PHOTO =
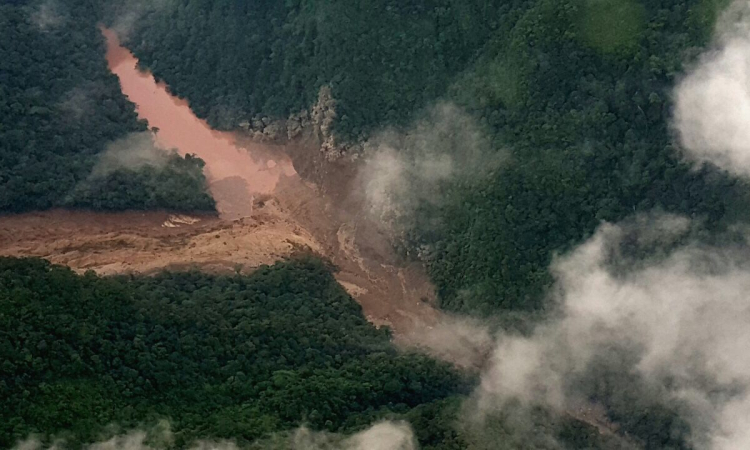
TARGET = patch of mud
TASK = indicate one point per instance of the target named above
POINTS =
(391, 292)
(114, 243)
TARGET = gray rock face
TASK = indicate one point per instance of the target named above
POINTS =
(320, 120)
(323, 115)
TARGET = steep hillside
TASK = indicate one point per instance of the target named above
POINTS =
(382, 59)
(220, 357)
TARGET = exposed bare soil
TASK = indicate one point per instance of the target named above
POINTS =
(112, 243)
(294, 219)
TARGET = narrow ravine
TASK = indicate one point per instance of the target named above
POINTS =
(266, 213)
(236, 175)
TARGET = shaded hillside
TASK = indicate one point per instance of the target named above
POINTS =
(59, 109)
(383, 59)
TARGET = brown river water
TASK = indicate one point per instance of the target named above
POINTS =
(236, 174)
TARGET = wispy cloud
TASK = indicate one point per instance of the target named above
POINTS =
(684, 319)
(405, 169)
(712, 109)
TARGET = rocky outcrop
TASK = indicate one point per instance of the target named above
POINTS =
(318, 122)
(265, 129)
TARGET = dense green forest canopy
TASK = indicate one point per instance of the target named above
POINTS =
(243, 357)
(383, 59)
(59, 109)
(578, 91)
(219, 356)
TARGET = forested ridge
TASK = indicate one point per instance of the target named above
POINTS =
(233, 357)
(587, 125)
(59, 109)
(243, 358)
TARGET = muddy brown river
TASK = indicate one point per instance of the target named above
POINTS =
(236, 174)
